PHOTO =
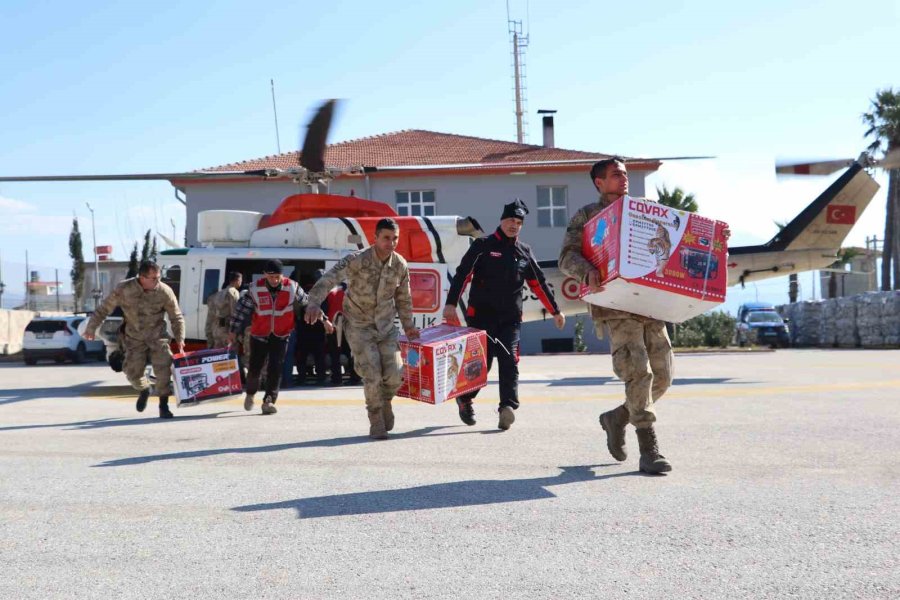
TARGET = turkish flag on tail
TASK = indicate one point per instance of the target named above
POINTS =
(840, 214)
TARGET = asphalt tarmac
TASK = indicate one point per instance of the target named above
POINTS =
(785, 485)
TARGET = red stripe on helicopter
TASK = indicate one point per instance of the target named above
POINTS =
(415, 243)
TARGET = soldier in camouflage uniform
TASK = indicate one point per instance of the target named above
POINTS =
(378, 289)
(641, 351)
(145, 300)
(219, 307)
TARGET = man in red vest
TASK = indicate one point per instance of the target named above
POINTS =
(271, 303)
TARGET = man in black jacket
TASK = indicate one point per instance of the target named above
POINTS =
(499, 265)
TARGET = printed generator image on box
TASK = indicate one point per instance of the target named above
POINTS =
(656, 261)
(206, 375)
(445, 362)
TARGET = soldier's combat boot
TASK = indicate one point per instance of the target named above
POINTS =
(466, 411)
(248, 401)
(377, 430)
(164, 412)
(388, 412)
(142, 400)
(507, 417)
(613, 423)
(651, 460)
(268, 405)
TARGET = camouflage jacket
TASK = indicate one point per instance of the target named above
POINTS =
(144, 311)
(376, 291)
(573, 264)
(219, 307)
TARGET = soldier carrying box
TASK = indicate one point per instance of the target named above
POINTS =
(641, 351)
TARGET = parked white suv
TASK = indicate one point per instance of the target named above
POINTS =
(58, 339)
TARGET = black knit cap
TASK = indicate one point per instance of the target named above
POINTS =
(273, 266)
(515, 209)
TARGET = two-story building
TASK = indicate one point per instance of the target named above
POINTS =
(434, 173)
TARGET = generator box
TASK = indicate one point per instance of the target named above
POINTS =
(656, 261)
(206, 375)
(445, 362)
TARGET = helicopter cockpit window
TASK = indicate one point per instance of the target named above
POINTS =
(171, 276)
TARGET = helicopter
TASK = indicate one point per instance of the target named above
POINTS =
(312, 230)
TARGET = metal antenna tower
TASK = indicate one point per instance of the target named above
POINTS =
(519, 41)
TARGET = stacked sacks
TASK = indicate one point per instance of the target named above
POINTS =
(845, 315)
(869, 311)
(890, 318)
(805, 318)
(828, 324)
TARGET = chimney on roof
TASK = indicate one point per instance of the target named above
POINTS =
(548, 127)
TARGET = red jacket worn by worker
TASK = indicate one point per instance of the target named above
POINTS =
(273, 315)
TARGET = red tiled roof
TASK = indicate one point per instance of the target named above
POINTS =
(417, 147)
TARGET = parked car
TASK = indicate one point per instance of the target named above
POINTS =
(58, 339)
(760, 323)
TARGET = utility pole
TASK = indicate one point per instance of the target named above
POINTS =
(96, 292)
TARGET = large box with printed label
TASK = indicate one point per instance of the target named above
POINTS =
(206, 375)
(445, 362)
(656, 261)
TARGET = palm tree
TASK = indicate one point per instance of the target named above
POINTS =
(677, 199)
(793, 285)
(883, 123)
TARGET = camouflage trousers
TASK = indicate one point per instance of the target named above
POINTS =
(138, 353)
(219, 338)
(642, 358)
(377, 360)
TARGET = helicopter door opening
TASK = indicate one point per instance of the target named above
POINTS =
(301, 271)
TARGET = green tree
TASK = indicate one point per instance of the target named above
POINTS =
(677, 199)
(154, 251)
(133, 263)
(579, 343)
(76, 252)
(145, 251)
(883, 122)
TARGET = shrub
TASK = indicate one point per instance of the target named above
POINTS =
(713, 329)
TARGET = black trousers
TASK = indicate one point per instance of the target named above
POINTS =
(272, 349)
(334, 353)
(508, 334)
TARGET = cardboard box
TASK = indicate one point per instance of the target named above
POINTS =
(206, 375)
(445, 362)
(656, 261)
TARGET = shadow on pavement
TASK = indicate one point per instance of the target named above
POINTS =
(440, 495)
(117, 422)
(24, 394)
(576, 381)
(327, 443)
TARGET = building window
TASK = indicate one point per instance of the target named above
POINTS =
(551, 205)
(417, 203)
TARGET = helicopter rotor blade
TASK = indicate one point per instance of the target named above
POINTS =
(312, 156)
(821, 167)
(263, 173)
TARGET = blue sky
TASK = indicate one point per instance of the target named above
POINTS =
(109, 88)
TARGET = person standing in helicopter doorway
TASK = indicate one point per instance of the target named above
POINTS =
(499, 265)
